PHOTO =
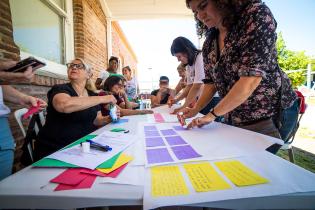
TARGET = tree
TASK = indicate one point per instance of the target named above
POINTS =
(291, 60)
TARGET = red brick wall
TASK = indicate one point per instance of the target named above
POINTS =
(120, 48)
(90, 33)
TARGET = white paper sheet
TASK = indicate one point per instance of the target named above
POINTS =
(131, 175)
(117, 141)
(284, 178)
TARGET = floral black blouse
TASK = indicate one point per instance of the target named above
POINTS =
(250, 50)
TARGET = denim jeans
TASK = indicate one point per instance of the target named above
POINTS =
(289, 120)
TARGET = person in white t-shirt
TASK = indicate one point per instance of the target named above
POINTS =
(188, 55)
(8, 93)
(132, 86)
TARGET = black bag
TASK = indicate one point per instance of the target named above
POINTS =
(27, 156)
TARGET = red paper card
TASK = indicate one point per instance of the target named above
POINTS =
(85, 184)
(70, 177)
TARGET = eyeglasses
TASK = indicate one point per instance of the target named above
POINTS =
(201, 7)
(75, 65)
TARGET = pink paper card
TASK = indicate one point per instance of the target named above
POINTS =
(85, 184)
(158, 117)
(70, 177)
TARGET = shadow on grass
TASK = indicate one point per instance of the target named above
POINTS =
(302, 158)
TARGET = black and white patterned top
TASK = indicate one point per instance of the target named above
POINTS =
(250, 50)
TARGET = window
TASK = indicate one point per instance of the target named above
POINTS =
(44, 29)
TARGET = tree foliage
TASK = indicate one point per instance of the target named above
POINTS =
(291, 60)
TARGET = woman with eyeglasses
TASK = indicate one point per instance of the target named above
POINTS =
(240, 60)
(114, 85)
(73, 111)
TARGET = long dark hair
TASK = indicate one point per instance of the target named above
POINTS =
(110, 82)
(229, 9)
(184, 45)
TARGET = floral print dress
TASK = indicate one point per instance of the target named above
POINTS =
(249, 50)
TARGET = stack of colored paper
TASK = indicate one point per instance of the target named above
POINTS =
(80, 178)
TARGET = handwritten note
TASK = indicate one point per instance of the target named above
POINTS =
(167, 181)
(240, 174)
(204, 178)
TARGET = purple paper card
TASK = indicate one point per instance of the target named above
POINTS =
(150, 128)
(180, 128)
(160, 155)
(175, 140)
(168, 132)
(154, 142)
(185, 152)
(151, 133)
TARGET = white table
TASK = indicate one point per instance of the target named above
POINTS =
(30, 188)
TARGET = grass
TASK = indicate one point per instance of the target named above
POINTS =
(302, 158)
(306, 133)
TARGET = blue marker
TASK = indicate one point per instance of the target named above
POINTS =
(96, 145)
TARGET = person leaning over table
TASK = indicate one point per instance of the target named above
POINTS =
(240, 60)
(8, 93)
(73, 111)
(114, 86)
(186, 52)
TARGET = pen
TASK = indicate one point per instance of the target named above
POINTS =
(99, 146)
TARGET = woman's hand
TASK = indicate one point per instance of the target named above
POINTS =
(8, 77)
(118, 113)
(171, 101)
(109, 99)
(201, 121)
(30, 101)
(189, 112)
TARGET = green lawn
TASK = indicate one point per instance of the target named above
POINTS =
(302, 158)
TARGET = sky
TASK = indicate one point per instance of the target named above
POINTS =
(151, 39)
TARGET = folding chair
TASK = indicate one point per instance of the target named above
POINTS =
(37, 122)
(288, 144)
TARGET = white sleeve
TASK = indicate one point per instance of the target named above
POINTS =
(103, 74)
(199, 69)
(189, 78)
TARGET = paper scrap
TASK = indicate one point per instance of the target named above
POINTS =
(185, 152)
(150, 128)
(204, 178)
(240, 174)
(85, 184)
(69, 177)
(175, 140)
(168, 132)
(167, 181)
(154, 142)
(160, 155)
(122, 160)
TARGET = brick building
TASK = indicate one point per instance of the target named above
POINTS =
(56, 31)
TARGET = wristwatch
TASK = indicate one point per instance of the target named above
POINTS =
(212, 112)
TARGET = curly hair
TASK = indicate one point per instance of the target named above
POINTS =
(229, 10)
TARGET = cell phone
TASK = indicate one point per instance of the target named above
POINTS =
(22, 65)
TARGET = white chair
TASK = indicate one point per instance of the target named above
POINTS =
(18, 114)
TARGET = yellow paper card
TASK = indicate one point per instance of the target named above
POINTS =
(167, 181)
(240, 174)
(204, 178)
(123, 159)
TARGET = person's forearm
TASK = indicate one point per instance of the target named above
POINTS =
(74, 104)
(178, 88)
(239, 93)
(206, 96)
(12, 95)
(127, 102)
(193, 93)
(183, 94)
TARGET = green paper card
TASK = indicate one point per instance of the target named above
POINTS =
(47, 162)
(117, 130)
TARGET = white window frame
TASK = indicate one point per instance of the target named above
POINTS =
(53, 69)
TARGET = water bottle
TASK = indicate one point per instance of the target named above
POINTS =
(113, 112)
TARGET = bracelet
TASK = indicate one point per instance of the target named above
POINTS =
(212, 112)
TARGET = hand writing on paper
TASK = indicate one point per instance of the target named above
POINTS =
(189, 112)
(201, 121)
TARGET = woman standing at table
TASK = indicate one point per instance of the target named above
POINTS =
(240, 59)
(73, 111)
(10, 94)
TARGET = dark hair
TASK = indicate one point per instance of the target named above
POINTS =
(184, 45)
(110, 82)
(113, 58)
(230, 11)
(127, 67)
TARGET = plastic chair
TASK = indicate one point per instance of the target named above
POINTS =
(18, 114)
(288, 144)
